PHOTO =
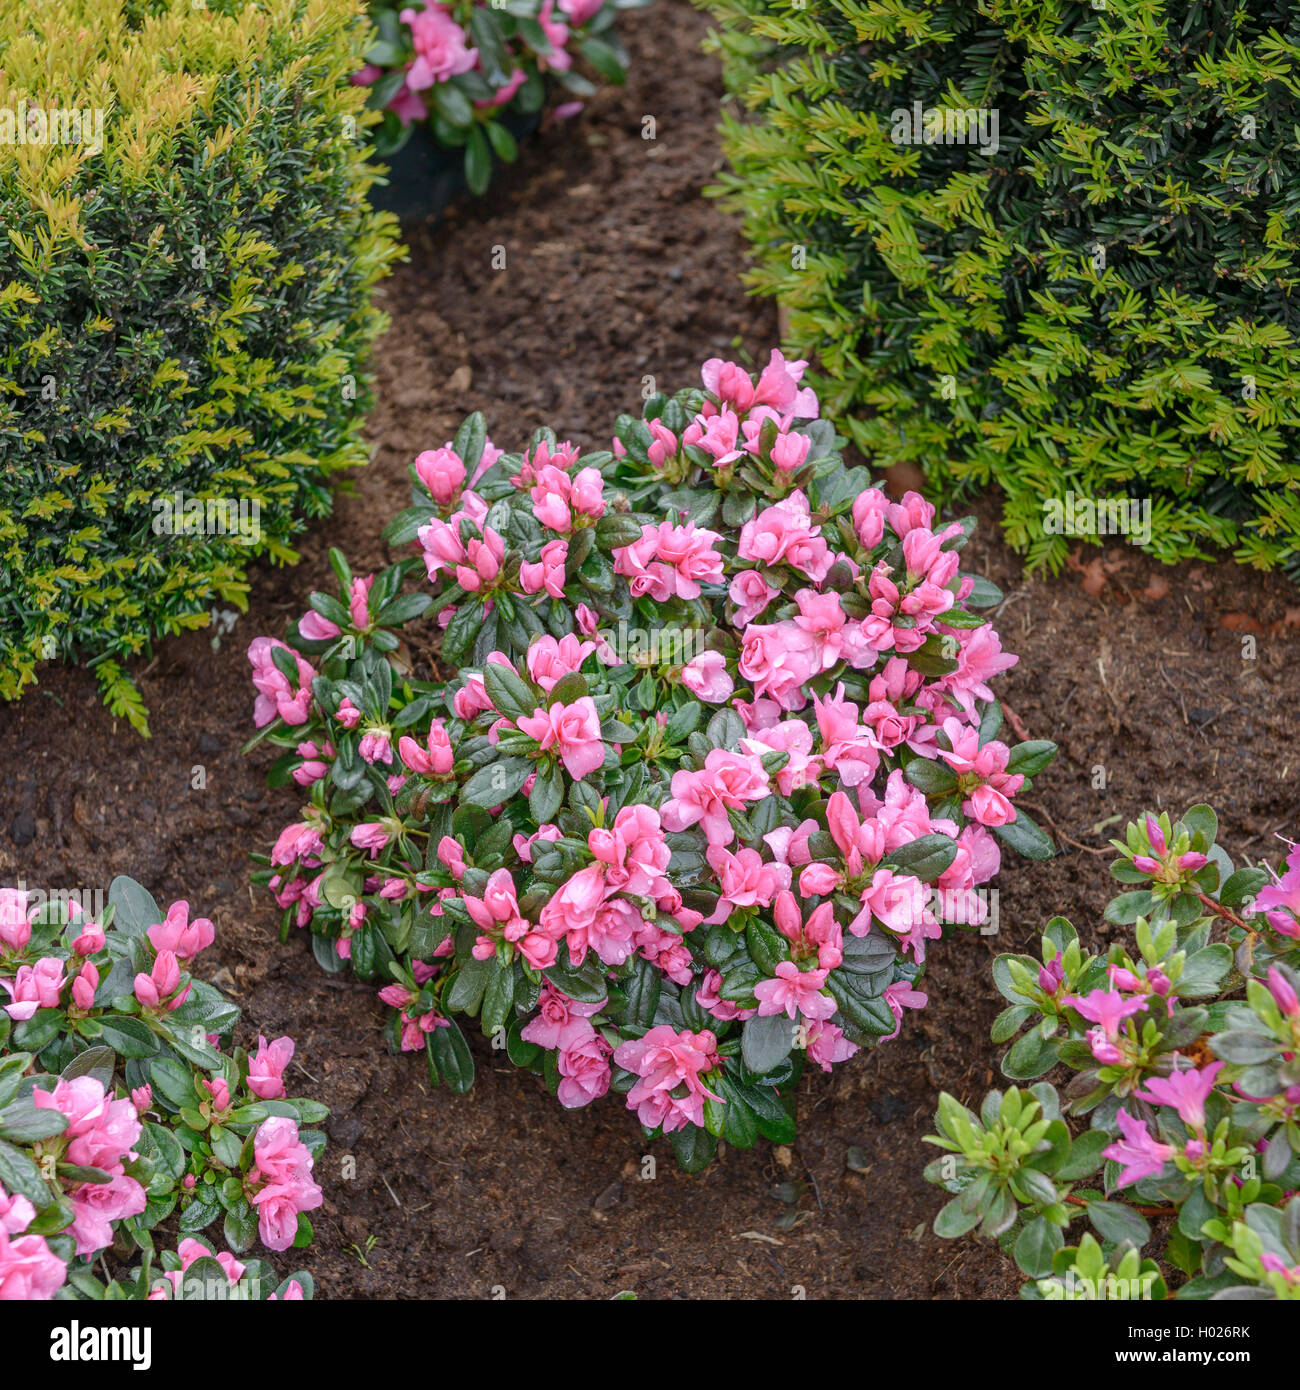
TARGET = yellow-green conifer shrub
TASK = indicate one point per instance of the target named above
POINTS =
(186, 263)
(1049, 246)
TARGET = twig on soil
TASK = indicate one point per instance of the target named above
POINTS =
(1181, 703)
(397, 1201)
(1010, 598)
(1015, 721)
(812, 1178)
(1047, 816)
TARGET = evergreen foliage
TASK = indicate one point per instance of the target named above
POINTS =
(184, 307)
(1100, 300)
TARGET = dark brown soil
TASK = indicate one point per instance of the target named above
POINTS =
(617, 269)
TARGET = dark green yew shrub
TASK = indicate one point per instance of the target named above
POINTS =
(1044, 245)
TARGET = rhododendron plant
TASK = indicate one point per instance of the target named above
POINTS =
(475, 72)
(1186, 1049)
(708, 760)
(121, 1105)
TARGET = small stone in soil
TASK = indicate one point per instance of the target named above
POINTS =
(209, 743)
(344, 1129)
(611, 1197)
(889, 1108)
(23, 829)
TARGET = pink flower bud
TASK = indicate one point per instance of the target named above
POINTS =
(1281, 990)
(91, 940)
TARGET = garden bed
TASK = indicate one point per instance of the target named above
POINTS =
(616, 269)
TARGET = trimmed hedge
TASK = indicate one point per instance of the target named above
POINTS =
(1101, 301)
(186, 309)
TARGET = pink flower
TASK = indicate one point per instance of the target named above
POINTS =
(1139, 1154)
(778, 386)
(717, 435)
(725, 782)
(298, 841)
(504, 94)
(751, 593)
(549, 661)
(689, 553)
(634, 851)
(220, 1093)
(190, 1250)
(557, 1017)
(34, 987)
(177, 933)
(980, 657)
(779, 660)
(548, 573)
(707, 997)
(96, 1206)
(371, 836)
(101, 1132)
(84, 986)
(826, 1045)
(869, 509)
(142, 1098)
(583, 1064)
(442, 547)
(551, 497)
(15, 925)
(784, 534)
(29, 1269)
(577, 911)
(793, 737)
(435, 759)
(439, 47)
(744, 880)
(275, 693)
(670, 1066)
(794, 992)
(1283, 993)
(161, 982)
(285, 1163)
(16, 1213)
(1186, 1091)
(574, 730)
(1280, 901)
(789, 451)
(442, 471)
(266, 1067)
(899, 996)
(557, 35)
(706, 677)
(1108, 1008)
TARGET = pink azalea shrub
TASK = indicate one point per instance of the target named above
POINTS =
(473, 72)
(1186, 1047)
(709, 761)
(122, 1105)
